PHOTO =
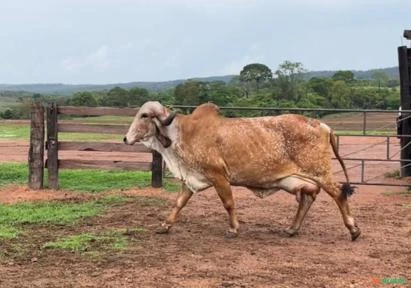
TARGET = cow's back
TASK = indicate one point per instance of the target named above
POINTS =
(251, 151)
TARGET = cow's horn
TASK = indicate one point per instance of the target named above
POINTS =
(169, 119)
(158, 111)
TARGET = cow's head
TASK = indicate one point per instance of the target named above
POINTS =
(149, 122)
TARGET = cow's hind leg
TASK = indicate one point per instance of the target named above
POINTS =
(341, 199)
(306, 191)
(223, 189)
(304, 205)
(182, 199)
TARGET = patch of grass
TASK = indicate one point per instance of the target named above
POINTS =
(73, 243)
(110, 240)
(21, 131)
(13, 173)
(403, 193)
(90, 137)
(94, 181)
(7, 232)
(107, 119)
(172, 185)
(393, 174)
(50, 213)
(86, 180)
(12, 131)
(367, 132)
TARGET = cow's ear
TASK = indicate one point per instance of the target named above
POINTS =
(163, 139)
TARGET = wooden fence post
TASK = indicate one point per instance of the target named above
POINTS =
(36, 151)
(157, 170)
(404, 59)
(52, 147)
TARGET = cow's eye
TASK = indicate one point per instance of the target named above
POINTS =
(144, 115)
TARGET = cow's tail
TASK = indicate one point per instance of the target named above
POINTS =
(346, 189)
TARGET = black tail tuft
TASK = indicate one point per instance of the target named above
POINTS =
(347, 190)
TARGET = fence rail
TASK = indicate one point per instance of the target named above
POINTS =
(52, 144)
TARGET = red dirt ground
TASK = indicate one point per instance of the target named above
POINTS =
(196, 254)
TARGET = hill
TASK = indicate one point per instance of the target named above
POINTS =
(392, 73)
(69, 89)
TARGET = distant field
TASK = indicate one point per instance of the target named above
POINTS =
(6, 102)
(20, 129)
(354, 121)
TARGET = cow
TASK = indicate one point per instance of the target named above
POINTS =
(264, 154)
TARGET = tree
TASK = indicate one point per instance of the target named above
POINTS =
(191, 92)
(117, 97)
(9, 114)
(256, 73)
(340, 95)
(344, 75)
(137, 96)
(289, 80)
(83, 99)
(380, 77)
(320, 86)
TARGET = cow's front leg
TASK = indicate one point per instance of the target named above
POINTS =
(226, 195)
(182, 199)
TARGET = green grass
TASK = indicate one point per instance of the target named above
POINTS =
(367, 132)
(403, 193)
(393, 174)
(7, 232)
(108, 119)
(103, 180)
(14, 131)
(12, 217)
(13, 173)
(21, 131)
(109, 240)
(112, 240)
(86, 180)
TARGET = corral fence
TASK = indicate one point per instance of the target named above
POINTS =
(49, 141)
(377, 126)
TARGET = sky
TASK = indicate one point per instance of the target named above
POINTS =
(112, 41)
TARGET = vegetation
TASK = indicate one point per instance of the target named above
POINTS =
(86, 180)
(110, 240)
(290, 85)
(12, 217)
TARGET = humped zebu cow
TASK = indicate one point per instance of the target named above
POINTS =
(264, 154)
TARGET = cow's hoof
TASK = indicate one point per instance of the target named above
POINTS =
(355, 234)
(163, 230)
(290, 232)
(230, 234)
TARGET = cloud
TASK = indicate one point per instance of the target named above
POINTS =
(253, 55)
(98, 60)
(70, 64)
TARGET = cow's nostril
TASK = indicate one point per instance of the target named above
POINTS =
(125, 140)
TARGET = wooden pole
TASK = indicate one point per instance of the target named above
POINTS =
(52, 147)
(404, 61)
(157, 170)
(36, 151)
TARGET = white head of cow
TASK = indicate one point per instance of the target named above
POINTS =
(150, 121)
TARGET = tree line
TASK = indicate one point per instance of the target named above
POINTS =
(255, 86)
